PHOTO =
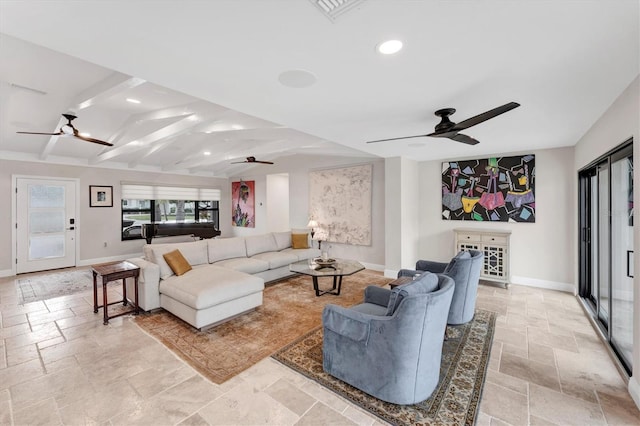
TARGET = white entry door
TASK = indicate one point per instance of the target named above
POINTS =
(45, 231)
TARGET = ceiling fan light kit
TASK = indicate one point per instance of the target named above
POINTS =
(450, 130)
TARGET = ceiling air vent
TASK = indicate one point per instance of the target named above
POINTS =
(332, 9)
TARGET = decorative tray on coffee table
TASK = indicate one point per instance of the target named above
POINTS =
(321, 262)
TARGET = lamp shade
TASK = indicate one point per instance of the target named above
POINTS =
(312, 224)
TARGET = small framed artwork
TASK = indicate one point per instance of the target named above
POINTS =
(100, 196)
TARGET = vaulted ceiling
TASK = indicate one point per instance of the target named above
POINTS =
(222, 77)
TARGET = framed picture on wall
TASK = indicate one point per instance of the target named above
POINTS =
(100, 196)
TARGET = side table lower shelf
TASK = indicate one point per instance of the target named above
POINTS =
(113, 271)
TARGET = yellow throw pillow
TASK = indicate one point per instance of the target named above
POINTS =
(300, 241)
(176, 261)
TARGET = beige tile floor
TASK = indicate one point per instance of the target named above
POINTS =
(60, 365)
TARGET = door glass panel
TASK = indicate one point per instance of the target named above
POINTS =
(47, 216)
(621, 326)
(46, 196)
(603, 244)
(45, 221)
(46, 246)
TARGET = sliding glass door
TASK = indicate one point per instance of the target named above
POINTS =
(606, 246)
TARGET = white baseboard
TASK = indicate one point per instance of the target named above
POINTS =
(373, 266)
(86, 262)
(634, 389)
(390, 273)
(6, 273)
(550, 285)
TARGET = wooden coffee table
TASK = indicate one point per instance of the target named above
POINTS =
(110, 272)
(337, 270)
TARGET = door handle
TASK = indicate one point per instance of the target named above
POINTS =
(71, 228)
(629, 262)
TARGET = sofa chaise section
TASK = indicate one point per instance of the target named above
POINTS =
(210, 295)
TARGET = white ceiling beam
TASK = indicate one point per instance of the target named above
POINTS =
(111, 86)
(53, 140)
(158, 114)
(162, 144)
(114, 84)
(147, 140)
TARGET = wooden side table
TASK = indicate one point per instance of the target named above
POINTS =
(399, 281)
(113, 271)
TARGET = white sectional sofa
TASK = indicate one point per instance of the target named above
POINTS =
(227, 278)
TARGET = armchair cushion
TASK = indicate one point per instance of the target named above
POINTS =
(426, 283)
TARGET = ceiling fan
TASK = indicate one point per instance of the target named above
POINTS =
(448, 129)
(252, 160)
(69, 130)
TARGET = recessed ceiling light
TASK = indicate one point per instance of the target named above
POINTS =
(207, 153)
(133, 101)
(389, 47)
(193, 118)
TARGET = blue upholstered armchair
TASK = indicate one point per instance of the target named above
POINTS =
(465, 269)
(390, 346)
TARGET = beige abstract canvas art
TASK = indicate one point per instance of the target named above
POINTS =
(340, 201)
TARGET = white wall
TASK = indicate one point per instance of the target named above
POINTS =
(277, 202)
(620, 122)
(95, 225)
(541, 252)
(402, 214)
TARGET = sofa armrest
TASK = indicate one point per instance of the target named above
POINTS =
(148, 284)
(377, 295)
(435, 267)
(346, 322)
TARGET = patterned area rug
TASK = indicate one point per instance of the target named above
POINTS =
(290, 309)
(455, 401)
(49, 286)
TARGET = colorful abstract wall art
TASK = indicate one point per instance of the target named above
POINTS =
(498, 189)
(243, 204)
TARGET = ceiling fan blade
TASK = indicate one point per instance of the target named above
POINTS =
(262, 162)
(465, 139)
(465, 124)
(395, 139)
(37, 133)
(84, 138)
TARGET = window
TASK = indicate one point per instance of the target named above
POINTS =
(166, 204)
(135, 213)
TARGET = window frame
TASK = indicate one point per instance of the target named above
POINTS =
(215, 215)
